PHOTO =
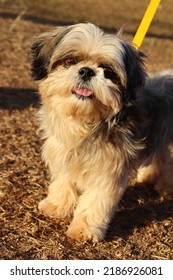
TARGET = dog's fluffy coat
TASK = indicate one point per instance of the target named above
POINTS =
(101, 116)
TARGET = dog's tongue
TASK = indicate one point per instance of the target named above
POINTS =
(83, 91)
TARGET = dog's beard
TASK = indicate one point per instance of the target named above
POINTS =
(94, 99)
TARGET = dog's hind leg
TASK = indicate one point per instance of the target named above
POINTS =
(164, 184)
(158, 172)
(148, 173)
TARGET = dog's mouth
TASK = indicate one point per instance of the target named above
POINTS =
(83, 93)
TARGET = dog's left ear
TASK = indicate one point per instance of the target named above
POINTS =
(135, 69)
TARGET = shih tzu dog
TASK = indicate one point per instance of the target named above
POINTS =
(101, 117)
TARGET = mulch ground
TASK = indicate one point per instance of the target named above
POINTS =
(142, 228)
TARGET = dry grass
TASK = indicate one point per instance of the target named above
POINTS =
(142, 228)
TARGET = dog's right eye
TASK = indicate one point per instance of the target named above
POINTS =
(70, 61)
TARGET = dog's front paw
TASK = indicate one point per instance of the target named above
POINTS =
(51, 210)
(83, 232)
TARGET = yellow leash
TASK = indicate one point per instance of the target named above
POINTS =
(145, 23)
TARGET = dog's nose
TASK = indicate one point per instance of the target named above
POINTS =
(86, 73)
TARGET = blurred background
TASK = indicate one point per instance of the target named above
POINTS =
(22, 20)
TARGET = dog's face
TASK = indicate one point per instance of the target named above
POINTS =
(86, 72)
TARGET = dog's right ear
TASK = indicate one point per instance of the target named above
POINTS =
(135, 69)
(42, 50)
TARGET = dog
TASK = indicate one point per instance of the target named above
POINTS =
(101, 117)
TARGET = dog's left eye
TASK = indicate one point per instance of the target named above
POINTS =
(70, 61)
(109, 73)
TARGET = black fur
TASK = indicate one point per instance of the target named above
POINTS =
(131, 117)
(40, 59)
(135, 71)
(39, 63)
(136, 78)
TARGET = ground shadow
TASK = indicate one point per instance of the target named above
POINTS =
(139, 206)
(18, 98)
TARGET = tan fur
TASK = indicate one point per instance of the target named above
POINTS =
(157, 173)
(89, 144)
